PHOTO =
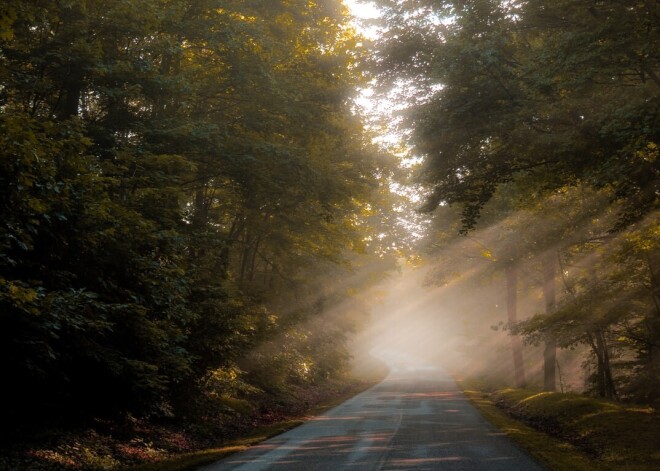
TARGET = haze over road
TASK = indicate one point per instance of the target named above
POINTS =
(417, 419)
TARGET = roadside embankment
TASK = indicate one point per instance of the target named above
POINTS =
(141, 445)
(575, 432)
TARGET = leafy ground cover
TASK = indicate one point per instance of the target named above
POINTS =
(143, 446)
(574, 432)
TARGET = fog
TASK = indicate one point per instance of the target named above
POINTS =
(452, 310)
(460, 327)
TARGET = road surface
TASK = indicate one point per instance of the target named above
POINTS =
(417, 419)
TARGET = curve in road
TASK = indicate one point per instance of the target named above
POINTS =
(416, 419)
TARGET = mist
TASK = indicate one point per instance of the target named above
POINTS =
(451, 310)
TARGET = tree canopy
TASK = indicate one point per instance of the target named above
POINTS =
(558, 93)
(541, 118)
(181, 182)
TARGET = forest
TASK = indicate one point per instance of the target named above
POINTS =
(185, 188)
(197, 218)
(538, 127)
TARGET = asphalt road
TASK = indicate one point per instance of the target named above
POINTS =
(417, 419)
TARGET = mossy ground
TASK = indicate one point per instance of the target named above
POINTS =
(574, 432)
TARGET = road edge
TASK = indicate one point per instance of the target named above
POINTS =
(554, 454)
(193, 460)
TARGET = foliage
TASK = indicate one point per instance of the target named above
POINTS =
(542, 120)
(174, 176)
(558, 93)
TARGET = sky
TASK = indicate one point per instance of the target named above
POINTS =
(377, 110)
(362, 9)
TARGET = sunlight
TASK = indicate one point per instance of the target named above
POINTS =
(362, 10)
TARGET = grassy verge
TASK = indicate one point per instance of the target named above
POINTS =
(572, 432)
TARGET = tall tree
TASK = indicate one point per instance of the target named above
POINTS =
(541, 96)
(519, 88)
(171, 172)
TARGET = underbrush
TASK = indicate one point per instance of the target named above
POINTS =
(172, 445)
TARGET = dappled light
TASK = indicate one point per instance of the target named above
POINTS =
(381, 218)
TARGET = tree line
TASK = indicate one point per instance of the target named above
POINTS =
(538, 123)
(184, 185)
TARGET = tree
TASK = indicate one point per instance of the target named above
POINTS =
(520, 89)
(535, 97)
(172, 173)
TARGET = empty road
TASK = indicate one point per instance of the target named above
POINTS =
(417, 419)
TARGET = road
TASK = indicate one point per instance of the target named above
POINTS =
(417, 419)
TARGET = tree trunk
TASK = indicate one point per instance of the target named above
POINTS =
(200, 215)
(550, 350)
(222, 260)
(610, 390)
(253, 261)
(603, 378)
(199, 221)
(245, 255)
(72, 93)
(511, 309)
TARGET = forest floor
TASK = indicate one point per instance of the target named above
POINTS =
(571, 432)
(141, 445)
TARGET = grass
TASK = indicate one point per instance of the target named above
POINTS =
(573, 432)
(555, 454)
